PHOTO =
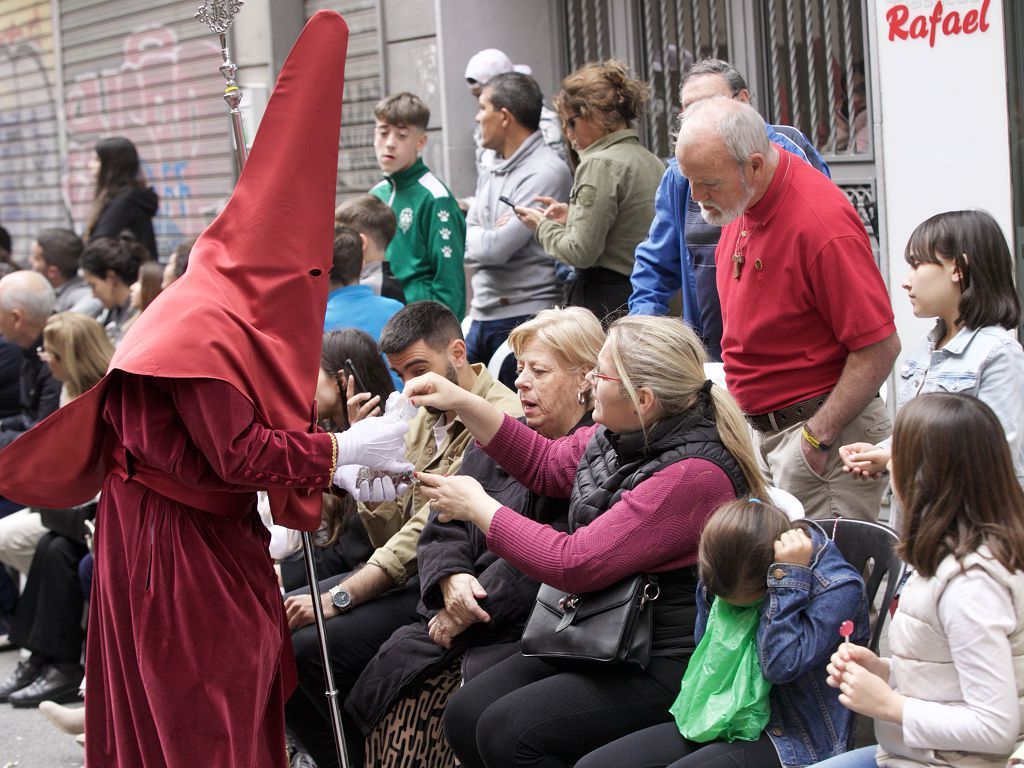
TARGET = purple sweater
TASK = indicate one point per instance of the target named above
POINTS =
(654, 527)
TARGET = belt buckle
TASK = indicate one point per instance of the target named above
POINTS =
(771, 420)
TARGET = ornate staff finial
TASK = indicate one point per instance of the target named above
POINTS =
(219, 15)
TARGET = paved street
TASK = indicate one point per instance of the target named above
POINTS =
(27, 739)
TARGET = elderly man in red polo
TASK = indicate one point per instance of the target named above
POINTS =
(808, 333)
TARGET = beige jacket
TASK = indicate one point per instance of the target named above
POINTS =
(922, 663)
(394, 527)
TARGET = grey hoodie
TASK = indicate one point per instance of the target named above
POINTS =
(511, 273)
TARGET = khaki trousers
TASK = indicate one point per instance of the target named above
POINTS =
(836, 492)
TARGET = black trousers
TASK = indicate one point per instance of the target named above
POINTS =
(353, 638)
(48, 620)
(661, 746)
(526, 712)
(602, 291)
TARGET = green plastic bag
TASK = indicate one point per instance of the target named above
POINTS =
(724, 696)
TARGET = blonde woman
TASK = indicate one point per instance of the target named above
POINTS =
(77, 350)
(668, 448)
(611, 205)
(477, 603)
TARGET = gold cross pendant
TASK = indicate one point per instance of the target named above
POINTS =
(737, 265)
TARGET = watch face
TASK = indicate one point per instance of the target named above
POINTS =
(341, 599)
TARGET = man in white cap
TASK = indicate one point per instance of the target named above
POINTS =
(482, 67)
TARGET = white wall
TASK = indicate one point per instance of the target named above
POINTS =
(942, 119)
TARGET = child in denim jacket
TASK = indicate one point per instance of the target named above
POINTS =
(961, 272)
(750, 553)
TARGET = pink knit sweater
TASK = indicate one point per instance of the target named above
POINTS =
(655, 527)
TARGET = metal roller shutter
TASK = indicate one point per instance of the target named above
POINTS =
(146, 69)
(364, 87)
(30, 168)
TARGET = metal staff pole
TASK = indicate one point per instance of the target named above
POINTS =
(219, 15)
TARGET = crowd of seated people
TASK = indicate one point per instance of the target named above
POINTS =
(615, 461)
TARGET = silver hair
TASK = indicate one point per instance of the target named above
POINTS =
(723, 69)
(739, 126)
(28, 291)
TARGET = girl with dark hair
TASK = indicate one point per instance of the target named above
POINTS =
(611, 205)
(121, 199)
(952, 693)
(110, 267)
(810, 590)
(341, 539)
(961, 272)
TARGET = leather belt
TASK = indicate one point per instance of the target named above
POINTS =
(776, 421)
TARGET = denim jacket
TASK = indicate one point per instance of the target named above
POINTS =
(987, 363)
(799, 631)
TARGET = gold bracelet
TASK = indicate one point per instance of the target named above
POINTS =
(815, 442)
(334, 458)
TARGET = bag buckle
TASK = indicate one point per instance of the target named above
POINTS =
(568, 602)
(568, 605)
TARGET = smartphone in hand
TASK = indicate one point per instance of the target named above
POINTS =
(350, 370)
(506, 201)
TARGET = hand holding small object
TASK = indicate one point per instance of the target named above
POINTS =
(366, 485)
(374, 442)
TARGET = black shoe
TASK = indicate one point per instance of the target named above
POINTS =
(21, 677)
(52, 684)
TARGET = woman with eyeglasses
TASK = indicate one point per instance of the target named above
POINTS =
(667, 449)
(612, 200)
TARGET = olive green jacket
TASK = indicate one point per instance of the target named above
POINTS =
(611, 205)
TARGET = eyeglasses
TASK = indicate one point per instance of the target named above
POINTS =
(596, 374)
(45, 354)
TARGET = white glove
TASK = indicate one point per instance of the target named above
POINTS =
(378, 488)
(374, 442)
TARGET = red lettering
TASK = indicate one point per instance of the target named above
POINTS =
(970, 22)
(929, 26)
(897, 16)
(950, 24)
(936, 17)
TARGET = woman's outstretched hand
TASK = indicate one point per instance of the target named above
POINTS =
(434, 391)
(458, 497)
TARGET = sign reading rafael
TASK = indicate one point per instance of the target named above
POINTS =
(903, 26)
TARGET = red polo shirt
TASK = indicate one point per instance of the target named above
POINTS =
(809, 291)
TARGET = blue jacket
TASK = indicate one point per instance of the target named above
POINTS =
(663, 262)
(799, 631)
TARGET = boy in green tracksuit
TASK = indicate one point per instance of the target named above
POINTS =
(426, 253)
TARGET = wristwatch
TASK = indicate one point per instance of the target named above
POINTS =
(340, 598)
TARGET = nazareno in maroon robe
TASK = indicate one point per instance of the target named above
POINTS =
(188, 657)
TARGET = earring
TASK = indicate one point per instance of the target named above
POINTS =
(581, 397)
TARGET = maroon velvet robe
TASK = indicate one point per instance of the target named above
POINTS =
(189, 656)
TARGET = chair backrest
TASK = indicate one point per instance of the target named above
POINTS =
(870, 548)
(494, 365)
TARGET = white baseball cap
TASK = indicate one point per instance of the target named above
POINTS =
(490, 62)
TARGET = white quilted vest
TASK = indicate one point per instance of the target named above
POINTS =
(922, 666)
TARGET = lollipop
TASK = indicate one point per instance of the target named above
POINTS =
(846, 629)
